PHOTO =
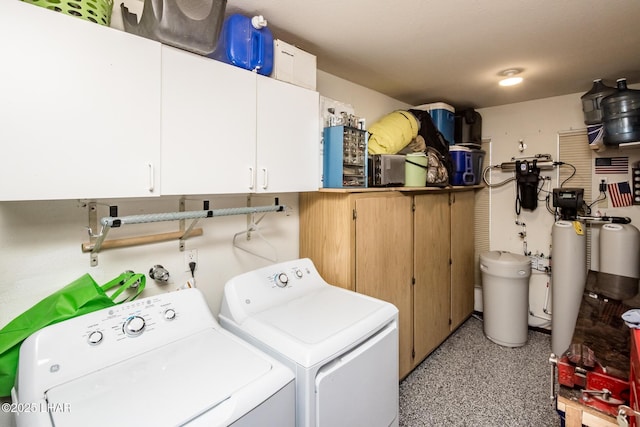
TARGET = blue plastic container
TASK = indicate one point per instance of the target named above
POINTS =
(444, 117)
(246, 43)
(467, 165)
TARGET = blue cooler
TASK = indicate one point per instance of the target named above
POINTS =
(246, 43)
(467, 164)
(444, 117)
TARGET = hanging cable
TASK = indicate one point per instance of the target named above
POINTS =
(572, 173)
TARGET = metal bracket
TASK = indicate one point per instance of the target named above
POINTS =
(181, 207)
(93, 225)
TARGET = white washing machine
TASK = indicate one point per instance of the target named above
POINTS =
(343, 346)
(157, 361)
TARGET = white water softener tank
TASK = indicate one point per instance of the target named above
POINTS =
(505, 297)
(568, 279)
(619, 255)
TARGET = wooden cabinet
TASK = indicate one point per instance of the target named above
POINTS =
(410, 248)
(80, 108)
(462, 256)
(229, 130)
(382, 247)
(443, 267)
(432, 296)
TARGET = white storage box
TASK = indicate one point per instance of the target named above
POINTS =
(293, 65)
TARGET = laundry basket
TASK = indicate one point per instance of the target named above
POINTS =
(98, 11)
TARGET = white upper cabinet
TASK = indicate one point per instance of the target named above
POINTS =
(88, 111)
(79, 108)
(229, 130)
(208, 125)
(288, 137)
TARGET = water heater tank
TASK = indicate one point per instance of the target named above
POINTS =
(568, 280)
(619, 255)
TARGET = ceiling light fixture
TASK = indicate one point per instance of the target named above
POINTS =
(511, 77)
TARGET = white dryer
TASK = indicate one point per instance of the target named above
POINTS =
(157, 361)
(343, 346)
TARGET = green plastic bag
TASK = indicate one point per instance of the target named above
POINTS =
(79, 297)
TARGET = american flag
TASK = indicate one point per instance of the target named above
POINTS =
(620, 194)
(612, 165)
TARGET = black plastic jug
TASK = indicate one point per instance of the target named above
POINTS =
(591, 102)
(621, 115)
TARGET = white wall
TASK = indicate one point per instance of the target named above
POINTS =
(537, 123)
(41, 244)
(367, 103)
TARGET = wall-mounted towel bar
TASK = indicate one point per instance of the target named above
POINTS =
(98, 242)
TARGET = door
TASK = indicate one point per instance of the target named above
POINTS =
(383, 248)
(360, 388)
(208, 125)
(288, 137)
(431, 270)
(80, 108)
(462, 256)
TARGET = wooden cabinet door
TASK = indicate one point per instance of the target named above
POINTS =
(431, 271)
(383, 260)
(80, 108)
(462, 256)
(327, 236)
(208, 125)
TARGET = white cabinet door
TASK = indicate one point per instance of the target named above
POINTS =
(288, 139)
(79, 109)
(208, 125)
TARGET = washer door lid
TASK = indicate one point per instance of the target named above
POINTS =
(170, 385)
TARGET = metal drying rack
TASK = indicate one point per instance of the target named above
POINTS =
(98, 241)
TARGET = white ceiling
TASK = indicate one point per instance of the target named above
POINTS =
(421, 51)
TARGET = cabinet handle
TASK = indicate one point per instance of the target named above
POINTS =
(251, 178)
(265, 178)
(151, 179)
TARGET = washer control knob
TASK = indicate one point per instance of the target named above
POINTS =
(133, 326)
(282, 280)
(298, 273)
(169, 314)
(95, 338)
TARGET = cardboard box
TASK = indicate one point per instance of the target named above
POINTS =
(294, 65)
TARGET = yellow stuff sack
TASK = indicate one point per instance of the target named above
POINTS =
(393, 132)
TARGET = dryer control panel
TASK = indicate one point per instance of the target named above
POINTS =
(271, 286)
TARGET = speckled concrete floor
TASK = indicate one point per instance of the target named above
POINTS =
(471, 381)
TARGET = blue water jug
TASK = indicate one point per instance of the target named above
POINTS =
(247, 43)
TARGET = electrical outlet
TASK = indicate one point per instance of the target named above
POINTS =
(603, 189)
(190, 256)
